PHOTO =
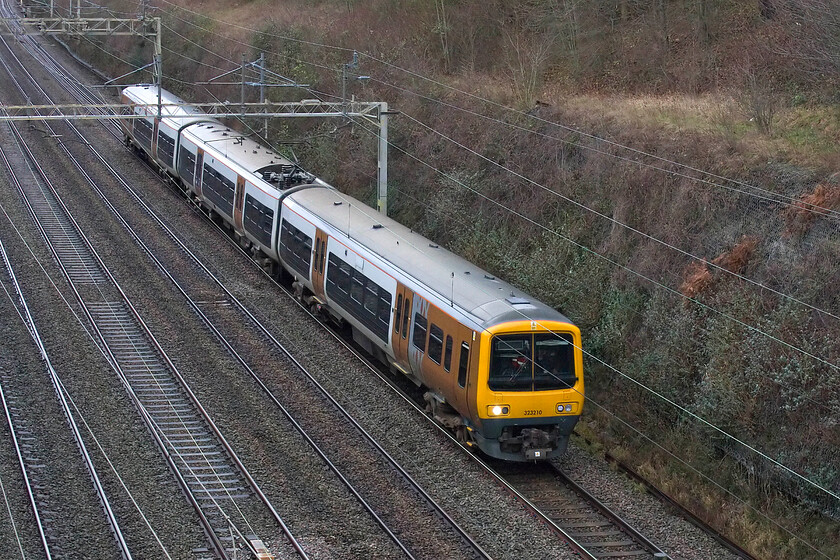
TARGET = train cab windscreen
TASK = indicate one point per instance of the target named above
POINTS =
(532, 362)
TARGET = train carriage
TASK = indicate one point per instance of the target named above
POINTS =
(503, 369)
(158, 138)
(500, 368)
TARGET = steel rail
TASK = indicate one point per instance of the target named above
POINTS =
(195, 306)
(241, 307)
(74, 428)
(600, 506)
(217, 545)
(463, 534)
(616, 519)
(21, 462)
(681, 509)
(217, 432)
(573, 543)
(564, 535)
(656, 492)
(546, 520)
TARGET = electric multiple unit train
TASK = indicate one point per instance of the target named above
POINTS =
(501, 369)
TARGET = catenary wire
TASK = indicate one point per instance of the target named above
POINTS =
(669, 162)
(822, 405)
(640, 384)
(369, 214)
(581, 205)
(599, 255)
(743, 324)
(618, 222)
(696, 417)
(768, 194)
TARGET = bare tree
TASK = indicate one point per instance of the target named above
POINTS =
(758, 100)
(526, 63)
(442, 29)
(816, 25)
(703, 37)
(662, 19)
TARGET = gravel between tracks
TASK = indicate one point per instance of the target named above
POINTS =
(432, 460)
(674, 535)
(497, 521)
(104, 404)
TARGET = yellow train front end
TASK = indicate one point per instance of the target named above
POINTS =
(529, 389)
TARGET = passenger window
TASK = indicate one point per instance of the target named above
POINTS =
(419, 338)
(384, 307)
(447, 355)
(399, 314)
(357, 289)
(344, 277)
(371, 297)
(435, 343)
(462, 367)
(405, 317)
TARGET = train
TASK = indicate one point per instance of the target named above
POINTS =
(500, 369)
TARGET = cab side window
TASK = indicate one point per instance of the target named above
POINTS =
(464, 363)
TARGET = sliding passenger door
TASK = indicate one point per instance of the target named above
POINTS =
(464, 356)
(238, 201)
(319, 264)
(199, 173)
(402, 324)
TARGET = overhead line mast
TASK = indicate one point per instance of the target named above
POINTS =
(150, 28)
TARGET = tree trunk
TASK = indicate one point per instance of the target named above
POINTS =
(663, 24)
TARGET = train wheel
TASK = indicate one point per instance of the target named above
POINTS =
(464, 437)
(461, 434)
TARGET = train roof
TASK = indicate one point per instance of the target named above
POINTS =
(233, 145)
(246, 152)
(488, 299)
(172, 106)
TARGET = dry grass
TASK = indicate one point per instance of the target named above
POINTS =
(801, 214)
(698, 278)
(736, 259)
(801, 136)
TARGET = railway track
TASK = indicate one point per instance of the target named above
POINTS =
(24, 438)
(583, 522)
(611, 540)
(205, 466)
(221, 312)
(209, 472)
(595, 529)
(137, 356)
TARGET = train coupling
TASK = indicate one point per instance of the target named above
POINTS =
(537, 454)
(536, 444)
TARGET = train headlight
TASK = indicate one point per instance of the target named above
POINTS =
(498, 410)
(564, 408)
